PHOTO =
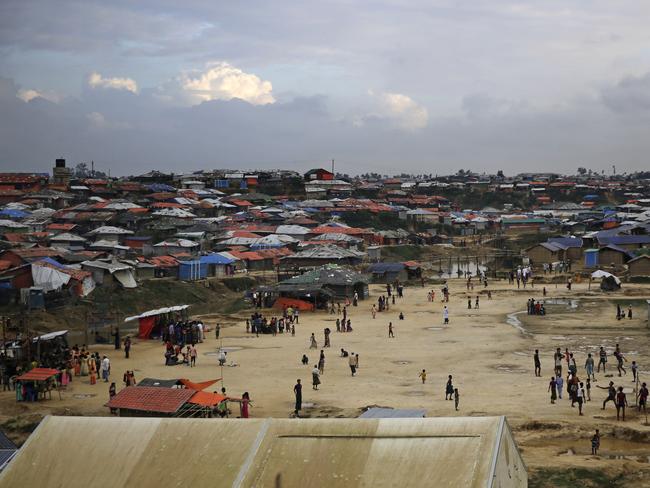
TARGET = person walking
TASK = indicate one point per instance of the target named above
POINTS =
(538, 363)
(297, 391)
(312, 342)
(321, 362)
(602, 359)
(112, 391)
(217, 330)
(621, 403)
(552, 387)
(192, 355)
(580, 397)
(353, 364)
(315, 377)
(423, 376)
(449, 389)
(642, 398)
(127, 346)
(619, 365)
(105, 368)
(456, 398)
(326, 333)
(445, 315)
(390, 330)
(589, 366)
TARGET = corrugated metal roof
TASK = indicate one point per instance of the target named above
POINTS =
(392, 413)
(151, 399)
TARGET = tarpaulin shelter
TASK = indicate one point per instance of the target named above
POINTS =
(202, 385)
(455, 452)
(207, 399)
(44, 378)
(149, 320)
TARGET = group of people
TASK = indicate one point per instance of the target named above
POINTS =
(177, 354)
(620, 313)
(181, 332)
(535, 307)
(580, 392)
(260, 324)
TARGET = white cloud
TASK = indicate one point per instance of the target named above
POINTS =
(401, 110)
(27, 95)
(95, 80)
(98, 120)
(222, 81)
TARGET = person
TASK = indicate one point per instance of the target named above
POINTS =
(580, 397)
(559, 382)
(611, 393)
(390, 330)
(111, 393)
(105, 368)
(297, 391)
(456, 398)
(118, 343)
(245, 401)
(469, 303)
(401, 315)
(423, 376)
(192, 355)
(305, 359)
(589, 366)
(321, 362)
(222, 357)
(92, 370)
(296, 315)
(602, 359)
(538, 363)
(449, 389)
(476, 303)
(621, 403)
(629, 315)
(552, 387)
(595, 443)
(217, 330)
(642, 398)
(588, 390)
(315, 377)
(373, 311)
(312, 342)
(344, 353)
(353, 364)
(356, 361)
(327, 332)
(127, 346)
(557, 357)
(620, 358)
(634, 369)
(445, 315)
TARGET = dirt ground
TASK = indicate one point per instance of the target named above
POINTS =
(488, 351)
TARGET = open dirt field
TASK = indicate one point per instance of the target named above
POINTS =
(488, 351)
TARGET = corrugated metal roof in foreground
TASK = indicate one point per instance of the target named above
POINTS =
(151, 452)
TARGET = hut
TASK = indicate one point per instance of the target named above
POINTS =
(639, 266)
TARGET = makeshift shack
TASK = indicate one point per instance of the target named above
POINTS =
(608, 281)
(37, 384)
(152, 322)
(324, 284)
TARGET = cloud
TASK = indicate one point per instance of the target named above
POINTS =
(222, 81)
(27, 95)
(95, 80)
(393, 109)
(631, 95)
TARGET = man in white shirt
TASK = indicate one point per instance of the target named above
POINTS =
(105, 368)
(199, 326)
(222, 357)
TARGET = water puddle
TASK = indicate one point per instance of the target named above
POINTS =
(402, 362)
(516, 323)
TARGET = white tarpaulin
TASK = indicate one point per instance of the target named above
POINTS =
(49, 278)
(125, 277)
(157, 311)
(604, 274)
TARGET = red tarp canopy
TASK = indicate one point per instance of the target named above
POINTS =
(207, 399)
(301, 305)
(198, 386)
(146, 326)
(38, 374)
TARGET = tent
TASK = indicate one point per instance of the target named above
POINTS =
(148, 319)
(609, 282)
(468, 452)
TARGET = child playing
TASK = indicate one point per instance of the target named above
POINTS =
(423, 375)
(456, 398)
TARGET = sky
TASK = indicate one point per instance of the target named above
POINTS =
(387, 86)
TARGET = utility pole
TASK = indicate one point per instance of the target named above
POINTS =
(332, 166)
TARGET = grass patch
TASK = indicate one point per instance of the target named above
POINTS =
(573, 478)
